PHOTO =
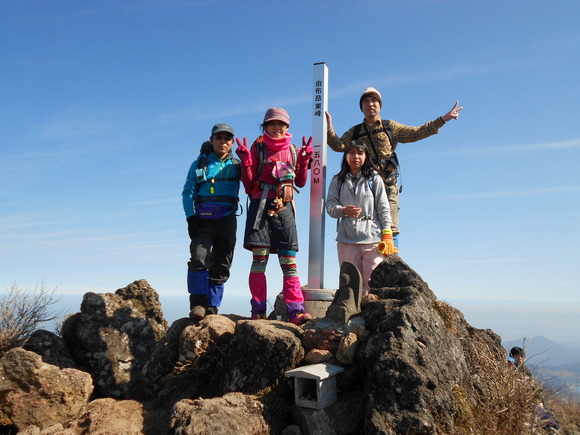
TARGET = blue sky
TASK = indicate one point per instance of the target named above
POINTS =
(104, 106)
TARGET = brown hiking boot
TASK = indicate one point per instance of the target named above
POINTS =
(197, 313)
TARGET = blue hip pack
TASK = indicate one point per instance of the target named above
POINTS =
(212, 211)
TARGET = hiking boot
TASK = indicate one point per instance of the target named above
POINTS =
(258, 316)
(197, 306)
(197, 313)
(211, 310)
(301, 319)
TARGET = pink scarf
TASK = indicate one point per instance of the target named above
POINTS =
(277, 144)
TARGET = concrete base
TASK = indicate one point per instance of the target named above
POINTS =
(316, 302)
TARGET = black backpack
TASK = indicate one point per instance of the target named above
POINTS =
(390, 170)
(204, 152)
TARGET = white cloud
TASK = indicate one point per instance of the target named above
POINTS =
(506, 194)
(245, 108)
(518, 149)
(381, 82)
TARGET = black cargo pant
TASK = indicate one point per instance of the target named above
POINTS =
(212, 246)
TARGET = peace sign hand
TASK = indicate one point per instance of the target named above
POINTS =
(453, 113)
(243, 152)
(306, 151)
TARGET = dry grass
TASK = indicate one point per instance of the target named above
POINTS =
(567, 412)
(462, 411)
(504, 401)
(500, 400)
(22, 312)
(446, 312)
(508, 404)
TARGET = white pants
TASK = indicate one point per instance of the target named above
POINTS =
(365, 257)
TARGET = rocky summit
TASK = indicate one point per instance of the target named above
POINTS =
(403, 363)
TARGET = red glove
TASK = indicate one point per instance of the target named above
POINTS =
(305, 152)
(387, 246)
(243, 152)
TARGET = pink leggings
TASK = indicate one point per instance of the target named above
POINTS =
(291, 288)
(365, 257)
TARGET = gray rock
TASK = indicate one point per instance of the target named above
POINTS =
(346, 352)
(114, 335)
(164, 357)
(50, 347)
(234, 413)
(38, 394)
(119, 417)
(260, 352)
(293, 429)
(414, 355)
(343, 417)
(323, 334)
(197, 338)
(56, 429)
(200, 350)
(316, 356)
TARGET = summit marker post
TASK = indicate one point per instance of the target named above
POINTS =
(318, 177)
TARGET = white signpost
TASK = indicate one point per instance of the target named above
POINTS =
(318, 177)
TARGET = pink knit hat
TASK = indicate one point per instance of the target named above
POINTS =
(277, 114)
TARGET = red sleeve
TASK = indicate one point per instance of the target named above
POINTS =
(301, 172)
(249, 172)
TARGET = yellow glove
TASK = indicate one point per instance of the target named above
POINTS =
(387, 246)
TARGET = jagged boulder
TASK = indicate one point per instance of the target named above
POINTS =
(414, 358)
(196, 339)
(111, 416)
(219, 355)
(234, 413)
(164, 357)
(56, 429)
(34, 393)
(114, 335)
(51, 348)
(324, 335)
(185, 361)
(259, 354)
(341, 418)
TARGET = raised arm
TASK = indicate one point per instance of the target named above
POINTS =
(334, 142)
(302, 161)
(246, 158)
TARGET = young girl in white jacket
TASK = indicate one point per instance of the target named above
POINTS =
(358, 199)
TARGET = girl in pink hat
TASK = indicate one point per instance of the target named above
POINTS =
(270, 170)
